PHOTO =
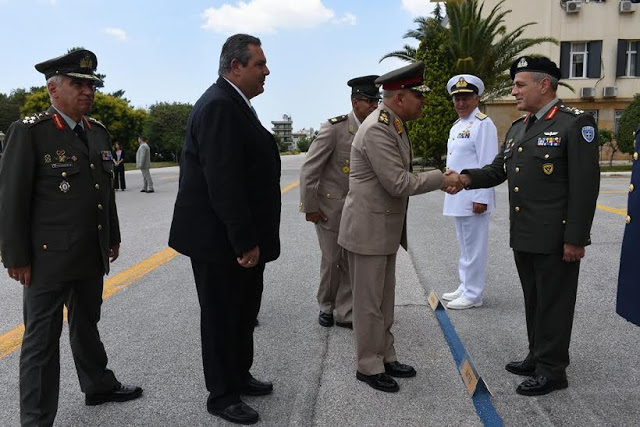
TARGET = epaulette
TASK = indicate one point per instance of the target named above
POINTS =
(518, 119)
(384, 117)
(92, 120)
(481, 116)
(571, 110)
(338, 119)
(36, 118)
(457, 121)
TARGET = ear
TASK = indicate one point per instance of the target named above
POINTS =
(53, 89)
(353, 103)
(235, 65)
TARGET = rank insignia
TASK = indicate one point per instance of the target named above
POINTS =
(352, 129)
(547, 168)
(74, 158)
(61, 156)
(588, 133)
(64, 186)
(106, 155)
(551, 113)
(47, 158)
(384, 117)
(57, 121)
(522, 63)
(398, 124)
(345, 169)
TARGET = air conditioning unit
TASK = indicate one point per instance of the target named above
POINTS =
(573, 6)
(588, 92)
(609, 92)
(627, 7)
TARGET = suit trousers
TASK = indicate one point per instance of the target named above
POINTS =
(373, 280)
(334, 291)
(43, 303)
(229, 297)
(473, 236)
(550, 286)
(118, 178)
(146, 179)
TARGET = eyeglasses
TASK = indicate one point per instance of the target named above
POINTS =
(369, 100)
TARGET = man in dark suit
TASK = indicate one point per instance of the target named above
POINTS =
(550, 159)
(58, 230)
(226, 219)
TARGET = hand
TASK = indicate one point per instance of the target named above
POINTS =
(451, 183)
(114, 252)
(21, 274)
(573, 253)
(479, 208)
(250, 258)
(315, 217)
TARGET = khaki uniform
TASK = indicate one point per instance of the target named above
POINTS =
(324, 183)
(554, 178)
(373, 226)
(58, 215)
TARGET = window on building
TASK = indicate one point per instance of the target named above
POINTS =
(616, 120)
(594, 113)
(581, 59)
(628, 61)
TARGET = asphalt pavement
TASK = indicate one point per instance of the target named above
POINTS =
(151, 330)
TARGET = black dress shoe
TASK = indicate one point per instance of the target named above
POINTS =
(539, 385)
(399, 370)
(239, 413)
(525, 368)
(150, 191)
(256, 387)
(325, 319)
(348, 325)
(120, 393)
(143, 191)
(382, 382)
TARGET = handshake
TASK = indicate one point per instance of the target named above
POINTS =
(454, 182)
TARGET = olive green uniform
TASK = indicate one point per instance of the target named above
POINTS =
(58, 215)
(554, 177)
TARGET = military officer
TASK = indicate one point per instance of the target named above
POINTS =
(550, 158)
(628, 291)
(473, 142)
(374, 217)
(324, 182)
(58, 231)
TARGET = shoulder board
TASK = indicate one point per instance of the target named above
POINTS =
(35, 118)
(92, 120)
(384, 117)
(518, 119)
(571, 110)
(481, 116)
(338, 119)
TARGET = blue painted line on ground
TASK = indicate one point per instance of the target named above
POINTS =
(481, 398)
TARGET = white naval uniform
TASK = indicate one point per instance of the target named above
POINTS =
(473, 143)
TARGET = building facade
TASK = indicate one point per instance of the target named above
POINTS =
(598, 54)
(284, 129)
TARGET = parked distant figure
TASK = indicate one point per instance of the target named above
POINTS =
(118, 168)
(143, 162)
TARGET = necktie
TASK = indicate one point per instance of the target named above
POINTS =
(81, 133)
(254, 111)
(532, 120)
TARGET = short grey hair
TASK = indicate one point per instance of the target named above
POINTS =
(56, 81)
(538, 77)
(236, 47)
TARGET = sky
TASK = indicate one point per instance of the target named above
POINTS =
(168, 50)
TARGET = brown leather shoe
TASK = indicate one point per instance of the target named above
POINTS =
(382, 382)
(239, 413)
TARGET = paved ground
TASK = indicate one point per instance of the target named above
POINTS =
(150, 330)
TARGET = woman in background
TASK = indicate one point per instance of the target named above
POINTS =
(118, 169)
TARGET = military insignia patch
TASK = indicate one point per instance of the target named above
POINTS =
(106, 155)
(398, 124)
(61, 156)
(547, 168)
(588, 133)
(64, 186)
(57, 121)
(522, 63)
(47, 158)
(384, 117)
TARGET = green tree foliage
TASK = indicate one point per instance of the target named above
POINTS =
(166, 129)
(628, 125)
(429, 134)
(605, 138)
(304, 143)
(10, 107)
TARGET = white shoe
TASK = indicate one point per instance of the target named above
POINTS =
(452, 295)
(461, 303)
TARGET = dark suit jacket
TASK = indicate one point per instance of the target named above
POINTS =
(554, 179)
(57, 205)
(229, 195)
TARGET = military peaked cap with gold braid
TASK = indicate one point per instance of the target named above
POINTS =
(79, 64)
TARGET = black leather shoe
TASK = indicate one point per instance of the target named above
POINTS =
(539, 385)
(399, 370)
(325, 319)
(382, 382)
(143, 191)
(525, 368)
(348, 325)
(239, 413)
(256, 387)
(150, 191)
(120, 393)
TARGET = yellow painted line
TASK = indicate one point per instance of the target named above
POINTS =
(12, 340)
(622, 212)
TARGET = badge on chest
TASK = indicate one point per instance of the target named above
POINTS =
(550, 139)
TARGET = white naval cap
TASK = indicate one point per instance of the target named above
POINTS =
(465, 83)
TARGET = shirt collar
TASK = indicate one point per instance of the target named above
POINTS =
(72, 123)
(239, 91)
(544, 110)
